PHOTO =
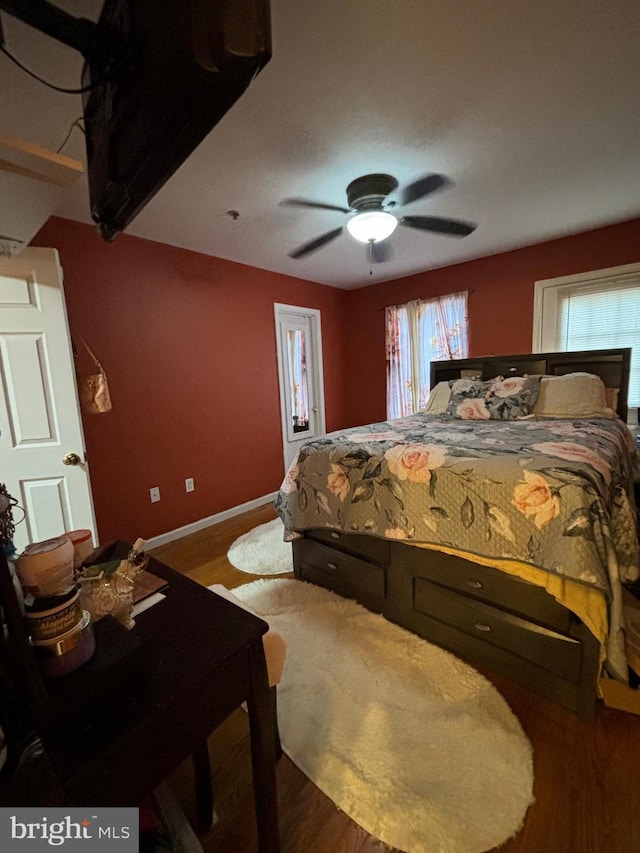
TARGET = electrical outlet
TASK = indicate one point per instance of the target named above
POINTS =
(154, 494)
(188, 484)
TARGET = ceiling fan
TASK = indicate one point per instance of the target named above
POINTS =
(372, 200)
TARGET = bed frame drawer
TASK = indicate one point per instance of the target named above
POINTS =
(341, 572)
(558, 653)
(531, 639)
(369, 548)
(488, 585)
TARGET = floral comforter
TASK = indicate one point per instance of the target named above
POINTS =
(554, 494)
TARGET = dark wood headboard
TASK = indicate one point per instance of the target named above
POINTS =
(611, 365)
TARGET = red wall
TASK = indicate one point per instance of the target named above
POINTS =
(188, 345)
(500, 303)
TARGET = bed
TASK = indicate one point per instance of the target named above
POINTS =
(500, 525)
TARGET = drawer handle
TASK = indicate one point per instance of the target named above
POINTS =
(482, 626)
(475, 584)
(335, 535)
(332, 566)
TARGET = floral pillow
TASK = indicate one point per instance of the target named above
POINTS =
(498, 399)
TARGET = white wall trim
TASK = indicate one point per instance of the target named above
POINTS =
(195, 526)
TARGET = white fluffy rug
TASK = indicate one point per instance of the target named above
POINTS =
(414, 745)
(261, 551)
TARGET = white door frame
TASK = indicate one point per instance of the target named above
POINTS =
(315, 377)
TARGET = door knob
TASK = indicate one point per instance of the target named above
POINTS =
(71, 459)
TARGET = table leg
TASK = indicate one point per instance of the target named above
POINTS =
(273, 693)
(263, 752)
(203, 787)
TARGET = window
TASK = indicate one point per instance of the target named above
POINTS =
(598, 310)
(299, 389)
(417, 334)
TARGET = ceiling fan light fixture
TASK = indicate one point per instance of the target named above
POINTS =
(369, 220)
(371, 226)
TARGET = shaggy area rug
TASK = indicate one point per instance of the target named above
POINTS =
(413, 744)
(262, 551)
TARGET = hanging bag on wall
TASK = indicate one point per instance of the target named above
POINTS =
(94, 390)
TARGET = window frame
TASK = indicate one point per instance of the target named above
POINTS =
(545, 306)
(545, 301)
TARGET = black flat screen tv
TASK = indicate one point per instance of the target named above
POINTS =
(162, 73)
(158, 76)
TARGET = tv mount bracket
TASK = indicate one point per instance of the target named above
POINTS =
(78, 33)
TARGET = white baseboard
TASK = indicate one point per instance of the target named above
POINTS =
(179, 532)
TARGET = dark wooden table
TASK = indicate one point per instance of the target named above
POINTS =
(204, 658)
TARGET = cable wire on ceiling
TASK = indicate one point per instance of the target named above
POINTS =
(77, 123)
(46, 82)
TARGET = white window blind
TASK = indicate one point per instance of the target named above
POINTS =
(602, 315)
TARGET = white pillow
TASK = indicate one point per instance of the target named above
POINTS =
(438, 399)
(575, 395)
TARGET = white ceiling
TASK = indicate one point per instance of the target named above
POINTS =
(531, 108)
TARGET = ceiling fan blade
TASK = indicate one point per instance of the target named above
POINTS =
(453, 227)
(315, 244)
(423, 186)
(304, 202)
(379, 252)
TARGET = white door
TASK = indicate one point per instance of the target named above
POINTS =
(40, 420)
(299, 340)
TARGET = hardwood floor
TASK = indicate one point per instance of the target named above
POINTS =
(587, 786)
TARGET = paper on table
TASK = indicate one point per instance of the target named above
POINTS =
(146, 603)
